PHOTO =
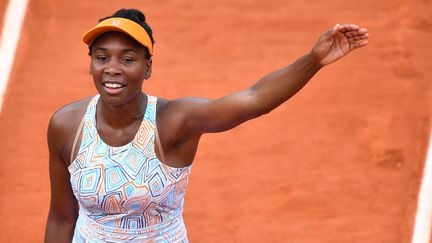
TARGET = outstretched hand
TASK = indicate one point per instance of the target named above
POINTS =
(338, 42)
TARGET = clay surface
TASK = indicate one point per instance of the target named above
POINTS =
(339, 162)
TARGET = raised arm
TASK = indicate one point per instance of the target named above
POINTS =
(203, 116)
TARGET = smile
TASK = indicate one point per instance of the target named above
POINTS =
(113, 85)
(112, 88)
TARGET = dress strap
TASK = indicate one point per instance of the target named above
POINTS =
(159, 145)
(87, 115)
(150, 112)
(78, 132)
(152, 108)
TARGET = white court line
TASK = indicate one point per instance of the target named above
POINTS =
(13, 20)
(423, 219)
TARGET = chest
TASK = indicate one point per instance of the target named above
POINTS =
(124, 180)
(117, 137)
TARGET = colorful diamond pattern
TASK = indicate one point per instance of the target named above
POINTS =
(126, 187)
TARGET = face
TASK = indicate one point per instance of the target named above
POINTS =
(119, 67)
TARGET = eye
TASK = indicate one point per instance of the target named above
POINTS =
(101, 58)
(127, 60)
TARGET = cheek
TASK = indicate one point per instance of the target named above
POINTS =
(138, 75)
(95, 71)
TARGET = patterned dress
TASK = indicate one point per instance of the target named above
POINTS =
(126, 194)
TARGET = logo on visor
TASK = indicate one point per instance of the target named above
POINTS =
(116, 22)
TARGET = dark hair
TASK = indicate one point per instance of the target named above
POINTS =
(135, 15)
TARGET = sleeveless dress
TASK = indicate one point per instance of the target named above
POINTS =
(126, 194)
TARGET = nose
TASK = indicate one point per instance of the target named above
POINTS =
(112, 68)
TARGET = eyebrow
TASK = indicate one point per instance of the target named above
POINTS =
(130, 50)
(124, 50)
(100, 49)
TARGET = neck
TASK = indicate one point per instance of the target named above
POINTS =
(120, 116)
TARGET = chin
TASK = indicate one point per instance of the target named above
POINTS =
(116, 99)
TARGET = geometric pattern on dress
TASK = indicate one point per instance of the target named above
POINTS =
(90, 180)
(124, 191)
(115, 178)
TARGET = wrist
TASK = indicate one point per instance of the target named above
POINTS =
(313, 60)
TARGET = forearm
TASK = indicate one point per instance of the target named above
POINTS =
(277, 87)
(222, 114)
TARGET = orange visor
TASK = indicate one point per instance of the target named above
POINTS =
(124, 25)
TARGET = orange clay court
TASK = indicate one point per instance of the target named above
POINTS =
(347, 165)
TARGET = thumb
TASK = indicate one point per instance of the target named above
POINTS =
(335, 29)
(331, 33)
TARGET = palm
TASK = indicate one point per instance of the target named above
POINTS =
(338, 42)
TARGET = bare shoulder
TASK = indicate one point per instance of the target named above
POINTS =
(64, 123)
(172, 116)
(180, 105)
(174, 112)
(68, 115)
(161, 102)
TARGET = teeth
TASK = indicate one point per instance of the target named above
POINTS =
(113, 85)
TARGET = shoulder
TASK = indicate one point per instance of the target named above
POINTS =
(64, 123)
(176, 112)
(66, 116)
(180, 105)
(161, 102)
(173, 115)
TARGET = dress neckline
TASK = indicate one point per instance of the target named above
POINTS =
(128, 144)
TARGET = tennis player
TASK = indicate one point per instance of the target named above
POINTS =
(120, 160)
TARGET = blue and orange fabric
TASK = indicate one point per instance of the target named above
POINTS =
(126, 193)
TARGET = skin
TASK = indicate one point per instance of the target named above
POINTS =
(118, 58)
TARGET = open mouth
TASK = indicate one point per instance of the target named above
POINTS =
(113, 88)
(113, 85)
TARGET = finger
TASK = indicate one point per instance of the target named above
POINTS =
(358, 37)
(354, 33)
(358, 44)
(363, 30)
(347, 27)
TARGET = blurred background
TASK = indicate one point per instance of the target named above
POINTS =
(339, 162)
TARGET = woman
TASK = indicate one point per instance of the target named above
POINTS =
(120, 161)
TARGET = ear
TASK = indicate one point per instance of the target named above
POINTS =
(149, 69)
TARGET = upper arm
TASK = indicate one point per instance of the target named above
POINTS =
(63, 204)
(63, 211)
(198, 115)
